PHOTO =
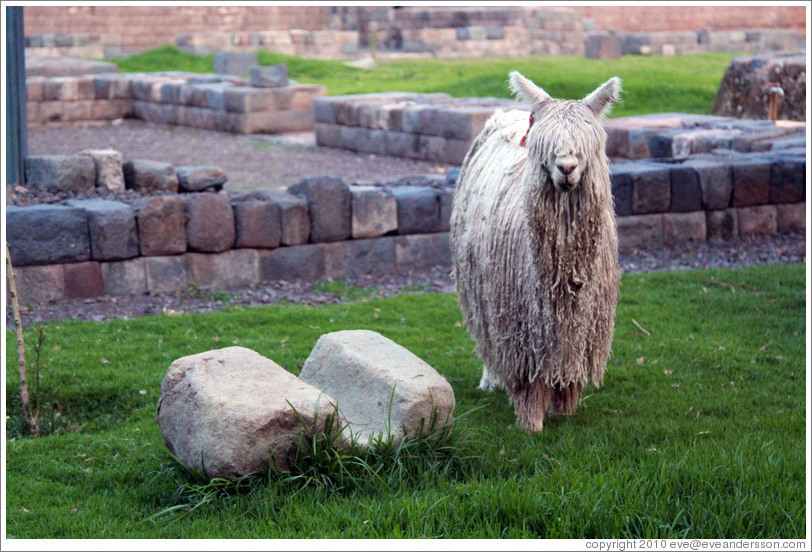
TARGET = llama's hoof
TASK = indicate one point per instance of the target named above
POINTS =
(487, 383)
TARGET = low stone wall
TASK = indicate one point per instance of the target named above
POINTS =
(217, 102)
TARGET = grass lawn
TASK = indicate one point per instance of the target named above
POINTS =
(699, 430)
(685, 84)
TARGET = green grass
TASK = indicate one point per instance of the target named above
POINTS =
(699, 430)
(686, 84)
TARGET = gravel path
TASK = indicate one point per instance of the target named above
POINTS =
(278, 161)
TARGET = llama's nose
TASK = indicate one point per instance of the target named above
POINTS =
(566, 165)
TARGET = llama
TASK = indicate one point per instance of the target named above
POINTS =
(534, 249)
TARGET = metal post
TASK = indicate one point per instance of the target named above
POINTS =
(17, 123)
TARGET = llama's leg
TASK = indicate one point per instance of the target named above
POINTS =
(566, 399)
(488, 382)
(530, 403)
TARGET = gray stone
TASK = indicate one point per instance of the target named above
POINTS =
(329, 203)
(300, 262)
(46, 234)
(257, 223)
(166, 274)
(69, 173)
(751, 182)
(269, 76)
(109, 170)
(234, 63)
(209, 222)
(760, 220)
(639, 232)
(243, 99)
(622, 184)
(381, 388)
(149, 177)
(161, 225)
(83, 280)
(792, 218)
(418, 209)
(200, 178)
(113, 233)
(230, 269)
(716, 182)
(681, 228)
(265, 406)
(294, 213)
(39, 284)
(359, 258)
(722, 225)
(788, 180)
(419, 251)
(686, 191)
(124, 277)
(374, 211)
(603, 46)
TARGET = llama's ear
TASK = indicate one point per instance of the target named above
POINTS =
(525, 90)
(601, 100)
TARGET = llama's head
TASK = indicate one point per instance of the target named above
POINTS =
(565, 136)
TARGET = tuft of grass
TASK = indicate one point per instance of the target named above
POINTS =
(698, 432)
(684, 83)
(344, 291)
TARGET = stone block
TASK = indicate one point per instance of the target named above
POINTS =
(293, 211)
(446, 198)
(109, 168)
(419, 251)
(382, 389)
(257, 223)
(329, 135)
(684, 227)
(788, 180)
(83, 280)
(401, 144)
(374, 211)
(112, 228)
(330, 204)
(603, 46)
(303, 95)
(264, 406)
(200, 178)
(161, 225)
(269, 76)
(640, 232)
(149, 177)
(418, 209)
(300, 262)
(235, 63)
(791, 218)
(761, 220)
(325, 108)
(39, 284)
(209, 222)
(242, 99)
(65, 173)
(358, 258)
(716, 182)
(722, 225)
(47, 234)
(363, 139)
(751, 183)
(124, 277)
(462, 123)
(622, 185)
(268, 122)
(230, 269)
(166, 274)
(686, 190)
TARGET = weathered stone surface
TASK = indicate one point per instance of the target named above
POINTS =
(329, 204)
(257, 223)
(301, 262)
(751, 182)
(651, 192)
(358, 258)
(686, 190)
(264, 408)
(39, 284)
(166, 274)
(83, 280)
(603, 46)
(201, 178)
(761, 220)
(148, 177)
(229, 269)
(622, 184)
(788, 180)
(374, 211)
(722, 225)
(744, 91)
(639, 232)
(380, 387)
(209, 222)
(113, 233)
(70, 173)
(791, 217)
(715, 180)
(47, 234)
(244, 99)
(294, 213)
(109, 168)
(161, 225)
(124, 277)
(684, 227)
(234, 63)
(422, 251)
(269, 76)
(418, 209)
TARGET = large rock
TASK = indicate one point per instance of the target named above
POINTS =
(149, 177)
(161, 225)
(203, 178)
(113, 233)
(294, 213)
(69, 173)
(381, 387)
(209, 222)
(374, 211)
(224, 412)
(744, 89)
(329, 203)
(46, 234)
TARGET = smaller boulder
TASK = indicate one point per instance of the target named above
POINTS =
(148, 177)
(200, 178)
(232, 412)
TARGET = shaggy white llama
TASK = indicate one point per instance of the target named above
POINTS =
(534, 249)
